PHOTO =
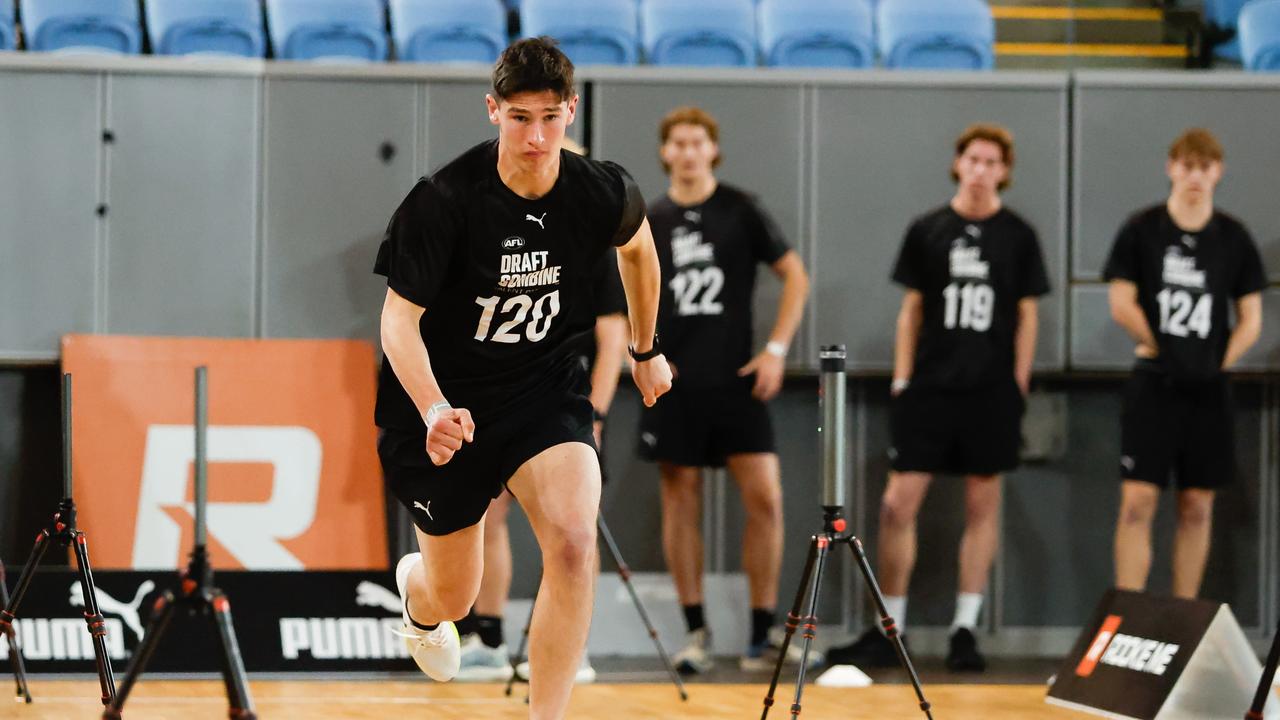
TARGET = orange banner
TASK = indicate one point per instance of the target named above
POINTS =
(293, 480)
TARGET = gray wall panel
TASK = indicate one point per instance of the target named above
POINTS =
(49, 161)
(1122, 135)
(1097, 342)
(883, 155)
(329, 196)
(182, 194)
(456, 120)
(762, 153)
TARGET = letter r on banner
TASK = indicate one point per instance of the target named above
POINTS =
(251, 531)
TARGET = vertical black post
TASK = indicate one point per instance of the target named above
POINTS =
(202, 457)
(66, 436)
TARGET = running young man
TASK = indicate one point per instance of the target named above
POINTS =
(1176, 270)
(710, 238)
(966, 338)
(489, 268)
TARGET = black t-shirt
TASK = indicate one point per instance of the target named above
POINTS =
(1187, 282)
(971, 274)
(709, 254)
(507, 282)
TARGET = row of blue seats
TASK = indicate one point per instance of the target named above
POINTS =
(1253, 29)
(838, 33)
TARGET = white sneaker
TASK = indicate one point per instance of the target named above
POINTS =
(481, 663)
(695, 657)
(585, 675)
(437, 652)
(765, 656)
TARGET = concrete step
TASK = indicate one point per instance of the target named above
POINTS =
(1043, 56)
(1102, 25)
(1082, 4)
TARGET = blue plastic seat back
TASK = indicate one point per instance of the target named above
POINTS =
(8, 39)
(936, 34)
(1260, 35)
(699, 32)
(449, 30)
(206, 27)
(1225, 14)
(98, 26)
(817, 33)
(331, 30)
(591, 32)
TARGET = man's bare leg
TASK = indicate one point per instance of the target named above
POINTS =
(1191, 541)
(443, 586)
(981, 536)
(559, 490)
(1138, 502)
(681, 529)
(495, 587)
(758, 479)
(897, 537)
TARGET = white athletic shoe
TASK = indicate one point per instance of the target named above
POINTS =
(695, 657)
(481, 663)
(438, 652)
(585, 675)
(765, 657)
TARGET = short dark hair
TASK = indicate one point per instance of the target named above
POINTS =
(1196, 144)
(991, 133)
(533, 65)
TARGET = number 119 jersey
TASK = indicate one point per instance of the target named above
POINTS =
(507, 282)
(1186, 282)
(971, 274)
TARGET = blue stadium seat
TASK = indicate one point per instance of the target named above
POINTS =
(98, 26)
(937, 34)
(333, 30)
(449, 30)
(817, 33)
(600, 32)
(8, 40)
(699, 32)
(1260, 35)
(1225, 15)
(206, 27)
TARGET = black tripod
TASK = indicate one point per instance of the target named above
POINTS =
(20, 691)
(1268, 676)
(624, 572)
(196, 594)
(62, 529)
(832, 391)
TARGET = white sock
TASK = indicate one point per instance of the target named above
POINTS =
(968, 607)
(897, 607)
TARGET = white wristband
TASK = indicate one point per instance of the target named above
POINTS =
(434, 410)
(775, 348)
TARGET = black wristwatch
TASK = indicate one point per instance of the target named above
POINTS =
(652, 353)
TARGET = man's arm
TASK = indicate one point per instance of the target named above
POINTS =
(611, 349)
(447, 427)
(1248, 328)
(910, 317)
(1125, 310)
(769, 363)
(1024, 342)
(642, 282)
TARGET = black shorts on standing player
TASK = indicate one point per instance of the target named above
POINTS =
(1177, 417)
(709, 255)
(508, 287)
(962, 412)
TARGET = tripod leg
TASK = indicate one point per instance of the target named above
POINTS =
(20, 690)
(97, 623)
(890, 627)
(233, 675)
(161, 614)
(792, 619)
(810, 620)
(624, 572)
(10, 611)
(1268, 676)
(519, 656)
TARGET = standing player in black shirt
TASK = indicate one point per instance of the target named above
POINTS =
(966, 338)
(710, 238)
(1176, 270)
(489, 268)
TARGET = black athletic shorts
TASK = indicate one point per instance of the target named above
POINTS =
(700, 427)
(976, 431)
(450, 497)
(1183, 429)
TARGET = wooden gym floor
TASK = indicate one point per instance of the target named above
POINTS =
(157, 699)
